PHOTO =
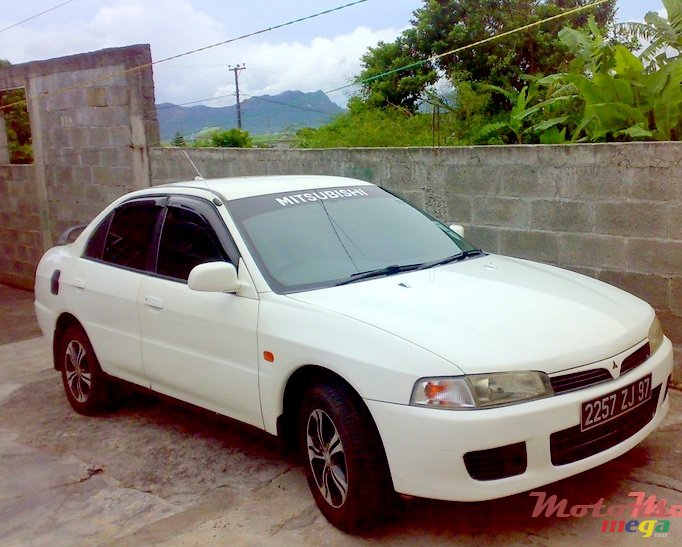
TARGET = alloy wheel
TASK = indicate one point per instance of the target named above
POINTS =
(327, 458)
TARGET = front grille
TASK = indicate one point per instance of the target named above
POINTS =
(586, 378)
(497, 463)
(579, 380)
(571, 445)
(635, 359)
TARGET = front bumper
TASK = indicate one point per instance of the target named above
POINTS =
(425, 447)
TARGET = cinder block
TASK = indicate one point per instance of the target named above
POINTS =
(596, 183)
(118, 95)
(676, 295)
(524, 180)
(435, 204)
(566, 158)
(96, 96)
(459, 208)
(672, 325)
(588, 272)
(655, 256)
(535, 181)
(96, 137)
(631, 219)
(119, 157)
(560, 215)
(655, 289)
(415, 197)
(592, 251)
(509, 212)
(476, 180)
(64, 99)
(540, 246)
(677, 366)
(675, 222)
(483, 237)
(655, 183)
(102, 175)
(399, 174)
(510, 155)
(119, 136)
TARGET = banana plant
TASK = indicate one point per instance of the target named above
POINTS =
(619, 99)
(525, 106)
(663, 36)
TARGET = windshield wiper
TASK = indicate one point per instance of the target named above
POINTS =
(453, 258)
(378, 272)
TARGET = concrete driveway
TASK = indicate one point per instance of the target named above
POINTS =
(153, 473)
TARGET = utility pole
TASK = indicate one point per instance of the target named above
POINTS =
(237, 69)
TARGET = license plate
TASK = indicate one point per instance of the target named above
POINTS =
(608, 407)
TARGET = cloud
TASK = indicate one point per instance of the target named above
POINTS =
(325, 63)
(175, 26)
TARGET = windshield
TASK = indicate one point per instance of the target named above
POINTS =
(329, 236)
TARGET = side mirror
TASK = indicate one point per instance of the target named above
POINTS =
(458, 229)
(214, 277)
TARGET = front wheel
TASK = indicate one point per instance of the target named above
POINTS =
(82, 377)
(345, 462)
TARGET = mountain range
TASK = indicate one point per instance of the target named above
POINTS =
(261, 115)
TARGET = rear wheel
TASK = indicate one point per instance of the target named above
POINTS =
(344, 459)
(82, 377)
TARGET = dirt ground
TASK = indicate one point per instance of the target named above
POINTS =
(153, 473)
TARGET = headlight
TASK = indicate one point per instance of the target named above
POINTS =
(655, 335)
(480, 390)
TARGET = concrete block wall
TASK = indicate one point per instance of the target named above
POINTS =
(92, 121)
(610, 211)
(20, 226)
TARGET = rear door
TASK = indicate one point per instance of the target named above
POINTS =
(105, 289)
(199, 347)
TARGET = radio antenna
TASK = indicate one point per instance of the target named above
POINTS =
(199, 175)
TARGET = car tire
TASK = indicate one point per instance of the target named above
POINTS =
(84, 383)
(344, 459)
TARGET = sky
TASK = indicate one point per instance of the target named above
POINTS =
(320, 53)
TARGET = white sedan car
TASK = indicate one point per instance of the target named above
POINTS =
(394, 354)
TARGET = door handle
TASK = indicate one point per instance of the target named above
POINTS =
(153, 302)
(78, 283)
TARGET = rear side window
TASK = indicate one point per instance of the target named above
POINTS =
(126, 236)
(187, 240)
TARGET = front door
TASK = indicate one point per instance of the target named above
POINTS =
(198, 347)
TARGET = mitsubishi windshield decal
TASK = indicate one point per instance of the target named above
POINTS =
(294, 199)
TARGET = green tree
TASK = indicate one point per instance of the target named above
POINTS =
(401, 88)
(17, 123)
(232, 138)
(441, 26)
(178, 140)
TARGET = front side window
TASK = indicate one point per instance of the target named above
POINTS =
(187, 240)
(323, 237)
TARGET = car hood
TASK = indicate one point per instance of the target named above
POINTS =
(495, 313)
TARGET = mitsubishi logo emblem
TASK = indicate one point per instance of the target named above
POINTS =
(615, 366)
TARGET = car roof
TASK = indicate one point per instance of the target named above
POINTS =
(242, 187)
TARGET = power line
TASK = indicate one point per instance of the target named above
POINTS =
(197, 50)
(473, 45)
(171, 105)
(257, 32)
(36, 15)
(308, 109)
